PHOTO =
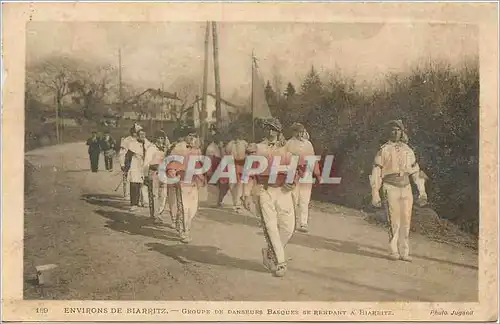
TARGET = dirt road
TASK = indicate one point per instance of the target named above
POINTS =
(74, 219)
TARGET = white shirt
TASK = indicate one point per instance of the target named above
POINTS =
(237, 148)
(213, 150)
(124, 145)
(301, 148)
(396, 157)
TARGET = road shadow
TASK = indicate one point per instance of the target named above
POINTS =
(229, 217)
(206, 255)
(131, 224)
(105, 200)
(320, 242)
(77, 170)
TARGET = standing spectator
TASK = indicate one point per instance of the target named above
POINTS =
(94, 151)
(108, 147)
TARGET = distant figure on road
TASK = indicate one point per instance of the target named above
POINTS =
(108, 148)
(273, 200)
(94, 151)
(394, 164)
(300, 145)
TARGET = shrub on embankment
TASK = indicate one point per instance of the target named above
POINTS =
(438, 103)
(29, 169)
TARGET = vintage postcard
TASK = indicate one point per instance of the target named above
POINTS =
(250, 161)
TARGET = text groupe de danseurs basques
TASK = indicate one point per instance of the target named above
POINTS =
(268, 311)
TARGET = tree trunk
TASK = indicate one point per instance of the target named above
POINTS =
(58, 105)
(61, 122)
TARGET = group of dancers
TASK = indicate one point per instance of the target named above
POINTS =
(281, 205)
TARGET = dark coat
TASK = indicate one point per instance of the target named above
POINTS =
(94, 145)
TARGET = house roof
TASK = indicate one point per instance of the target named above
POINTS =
(164, 94)
(153, 92)
(226, 102)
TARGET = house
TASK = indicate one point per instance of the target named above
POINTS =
(152, 104)
(132, 115)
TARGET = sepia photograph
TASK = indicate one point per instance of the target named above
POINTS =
(214, 160)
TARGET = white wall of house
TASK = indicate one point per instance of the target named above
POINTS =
(155, 108)
(229, 112)
(63, 121)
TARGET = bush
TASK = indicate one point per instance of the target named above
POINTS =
(439, 105)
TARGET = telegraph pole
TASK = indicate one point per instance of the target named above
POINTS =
(205, 81)
(252, 95)
(218, 111)
(162, 109)
(120, 94)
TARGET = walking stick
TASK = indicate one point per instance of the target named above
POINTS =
(119, 184)
(149, 183)
(164, 201)
(124, 182)
(181, 225)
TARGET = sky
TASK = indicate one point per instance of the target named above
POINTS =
(167, 53)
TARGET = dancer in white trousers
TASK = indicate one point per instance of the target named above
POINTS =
(394, 165)
(274, 202)
(126, 159)
(237, 149)
(300, 146)
(157, 190)
(183, 196)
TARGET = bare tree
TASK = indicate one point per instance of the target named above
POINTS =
(90, 87)
(186, 89)
(53, 76)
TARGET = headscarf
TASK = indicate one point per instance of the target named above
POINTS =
(272, 123)
(399, 124)
(299, 131)
(192, 140)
